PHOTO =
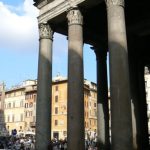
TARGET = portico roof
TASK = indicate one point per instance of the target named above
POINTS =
(137, 15)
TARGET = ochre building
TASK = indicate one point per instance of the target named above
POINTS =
(20, 108)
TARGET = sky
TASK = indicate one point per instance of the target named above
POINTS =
(19, 45)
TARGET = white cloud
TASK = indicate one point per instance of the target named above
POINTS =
(19, 31)
(18, 27)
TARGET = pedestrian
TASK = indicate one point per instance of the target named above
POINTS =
(32, 145)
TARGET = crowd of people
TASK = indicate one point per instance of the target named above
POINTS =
(28, 143)
(90, 144)
(17, 143)
(58, 144)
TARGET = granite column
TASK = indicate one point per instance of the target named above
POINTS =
(75, 125)
(102, 100)
(44, 88)
(121, 120)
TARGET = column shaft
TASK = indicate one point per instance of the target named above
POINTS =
(135, 102)
(121, 121)
(75, 128)
(44, 88)
(102, 101)
(138, 99)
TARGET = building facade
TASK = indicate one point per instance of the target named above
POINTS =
(30, 107)
(147, 89)
(20, 108)
(15, 107)
(59, 108)
(2, 98)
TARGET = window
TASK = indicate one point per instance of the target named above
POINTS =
(56, 122)
(30, 104)
(34, 97)
(56, 98)
(21, 117)
(21, 104)
(94, 104)
(13, 118)
(14, 104)
(56, 110)
(8, 119)
(26, 114)
(30, 113)
(26, 105)
(9, 105)
(56, 88)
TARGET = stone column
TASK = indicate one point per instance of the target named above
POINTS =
(121, 121)
(75, 125)
(102, 100)
(44, 88)
(134, 100)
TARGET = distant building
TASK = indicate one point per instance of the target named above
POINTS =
(147, 87)
(15, 99)
(20, 107)
(59, 107)
(30, 107)
(2, 98)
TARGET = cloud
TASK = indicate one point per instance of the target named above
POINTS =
(19, 31)
(18, 27)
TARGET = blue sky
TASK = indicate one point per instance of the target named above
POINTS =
(13, 2)
(19, 45)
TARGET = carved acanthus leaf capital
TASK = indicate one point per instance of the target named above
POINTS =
(75, 17)
(114, 2)
(45, 31)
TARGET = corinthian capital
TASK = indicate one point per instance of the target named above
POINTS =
(114, 2)
(45, 31)
(75, 17)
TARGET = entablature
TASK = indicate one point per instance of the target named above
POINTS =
(51, 10)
